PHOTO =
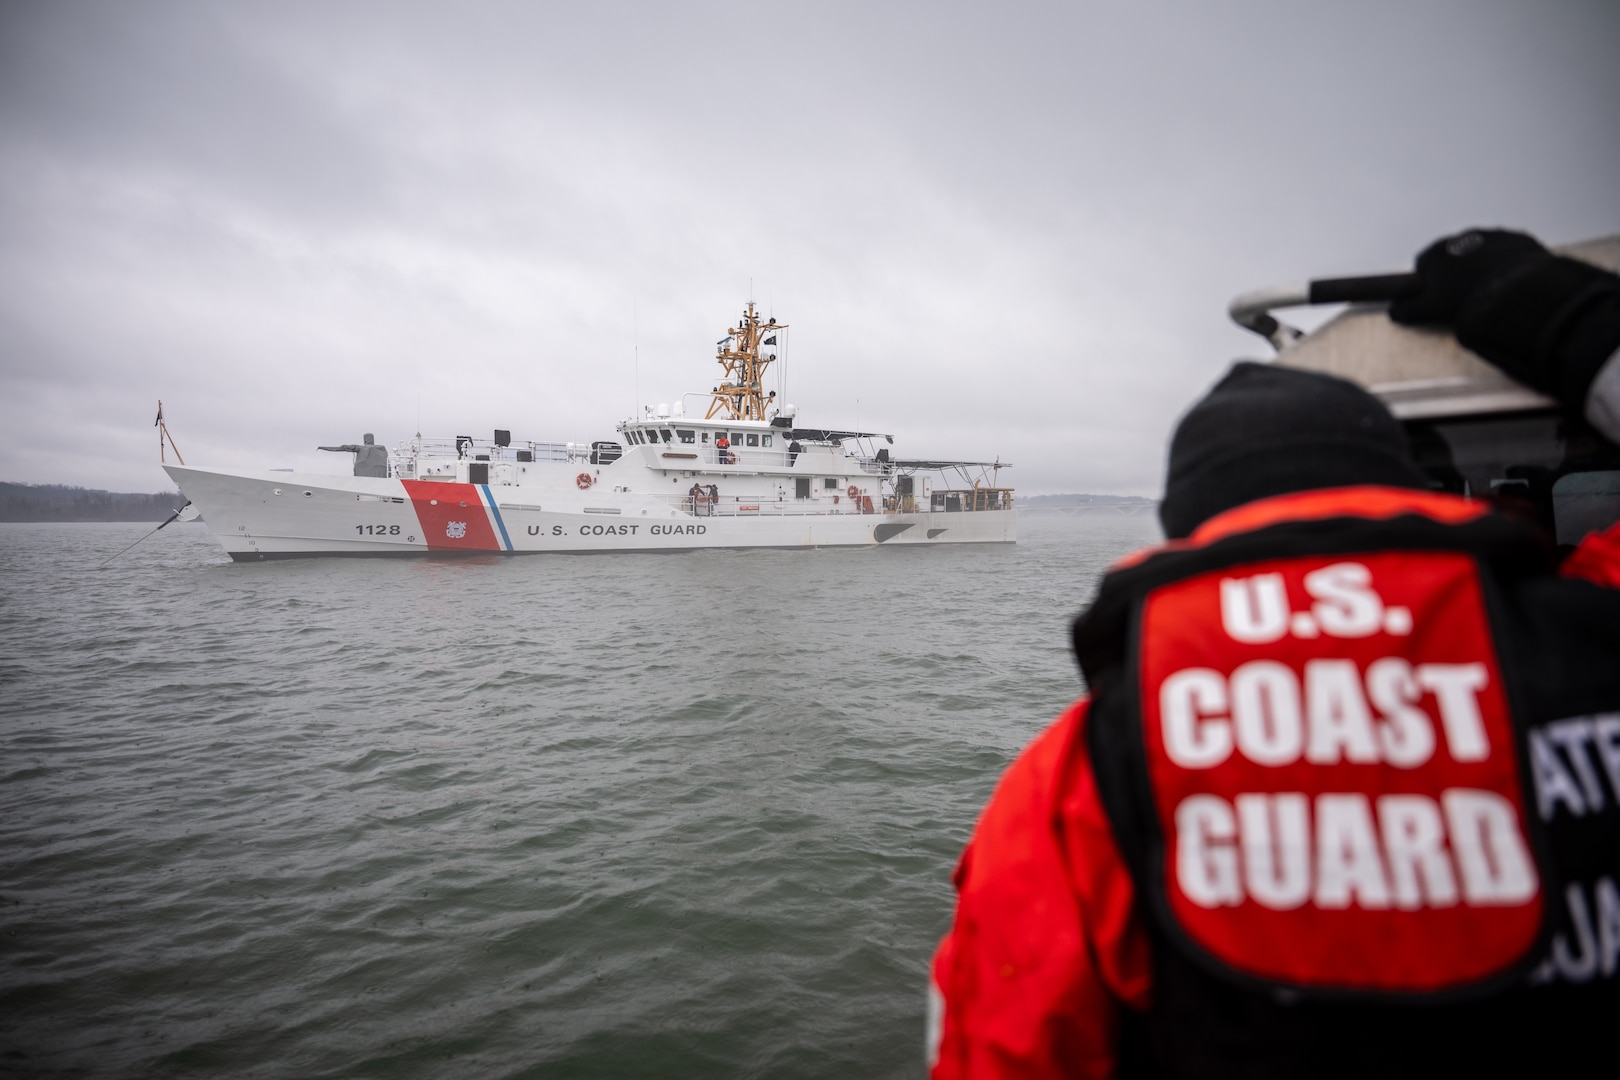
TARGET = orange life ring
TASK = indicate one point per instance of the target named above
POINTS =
(853, 492)
(584, 480)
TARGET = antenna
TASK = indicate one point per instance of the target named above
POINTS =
(635, 337)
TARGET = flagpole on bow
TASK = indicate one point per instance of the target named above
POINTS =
(163, 433)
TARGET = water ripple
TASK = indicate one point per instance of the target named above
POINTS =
(623, 815)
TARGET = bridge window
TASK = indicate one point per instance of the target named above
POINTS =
(753, 438)
(686, 434)
(830, 483)
(765, 441)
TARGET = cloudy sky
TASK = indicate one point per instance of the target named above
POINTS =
(996, 229)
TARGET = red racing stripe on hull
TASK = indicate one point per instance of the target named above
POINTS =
(452, 516)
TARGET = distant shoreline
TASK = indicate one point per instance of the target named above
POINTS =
(1085, 500)
(25, 503)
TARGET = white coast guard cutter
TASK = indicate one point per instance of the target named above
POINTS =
(745, 475)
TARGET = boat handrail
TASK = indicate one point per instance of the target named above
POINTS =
(1253, 310)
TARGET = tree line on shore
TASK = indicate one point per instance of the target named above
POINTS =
(59, 502)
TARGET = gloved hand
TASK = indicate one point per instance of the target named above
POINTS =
(1455, 269)
(1547, 320)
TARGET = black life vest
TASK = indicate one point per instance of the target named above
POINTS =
(1364, 766)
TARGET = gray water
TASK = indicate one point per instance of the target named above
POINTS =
(560, 816)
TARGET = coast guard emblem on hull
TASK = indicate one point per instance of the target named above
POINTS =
(455, 530)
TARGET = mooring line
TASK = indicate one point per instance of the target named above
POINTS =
(172, 516)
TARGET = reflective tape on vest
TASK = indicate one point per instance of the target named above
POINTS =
(1333, 767)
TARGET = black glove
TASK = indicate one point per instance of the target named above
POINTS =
(1455, 269)
(1547, 320)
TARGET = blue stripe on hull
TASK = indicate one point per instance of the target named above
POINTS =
(495, 512)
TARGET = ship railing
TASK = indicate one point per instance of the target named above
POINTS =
(746, 457)
(755, 458)
(483, 450)
(706, 506)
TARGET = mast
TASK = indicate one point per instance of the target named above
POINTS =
(741, 395)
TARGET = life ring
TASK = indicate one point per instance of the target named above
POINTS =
(584, 480)
(853, 491)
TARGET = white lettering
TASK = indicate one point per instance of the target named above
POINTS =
(1196, 733)
(1270, 718)
(1492, 856)
(1282, 851)
(1553, 784)
(1336, 713)
(1608, 925)
(1414, 841)
(1582, 739)
(1346, 606)
(1206, 860)
(1406, 736)
(1265, 712)
(1576, 967)
(1455, 687)
(1254, 610)
(1573, 735)
(1596, 941)
(1606, 734)
(1276, 860)
(1348, 866)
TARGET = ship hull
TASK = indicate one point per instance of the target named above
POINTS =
(263, 516)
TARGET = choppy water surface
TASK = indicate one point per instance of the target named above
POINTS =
(592, 816)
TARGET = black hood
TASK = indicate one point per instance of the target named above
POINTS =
(1266, 430)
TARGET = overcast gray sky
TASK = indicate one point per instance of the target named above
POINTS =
(996, 229)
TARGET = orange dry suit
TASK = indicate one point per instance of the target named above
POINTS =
(1345, 800)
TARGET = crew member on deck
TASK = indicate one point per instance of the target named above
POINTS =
(370, 459)
(1344, 799)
